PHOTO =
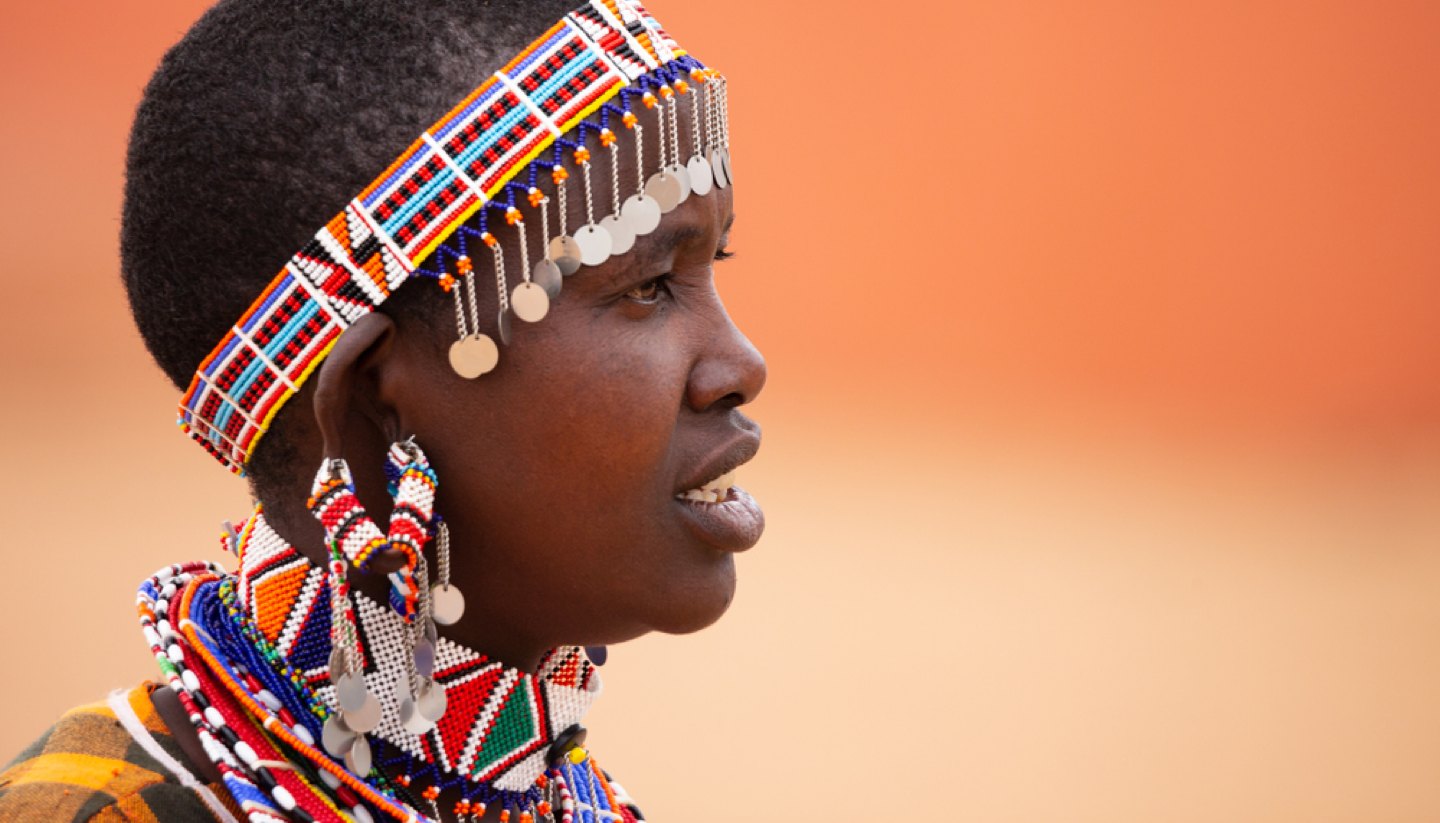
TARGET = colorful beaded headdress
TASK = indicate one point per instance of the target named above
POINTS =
(527, 126)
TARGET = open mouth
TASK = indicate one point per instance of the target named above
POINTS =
(714, 491)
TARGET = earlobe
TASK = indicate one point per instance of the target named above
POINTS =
(339, 375)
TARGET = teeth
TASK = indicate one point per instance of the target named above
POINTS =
(716, 491)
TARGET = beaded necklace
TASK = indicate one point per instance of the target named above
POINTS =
(249, 657)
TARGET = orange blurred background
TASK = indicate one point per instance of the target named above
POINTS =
(1102, 450)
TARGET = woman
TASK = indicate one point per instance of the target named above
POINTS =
(457, 487)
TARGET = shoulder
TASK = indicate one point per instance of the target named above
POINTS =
(108, 761)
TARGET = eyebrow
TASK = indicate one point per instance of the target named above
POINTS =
(668, 237)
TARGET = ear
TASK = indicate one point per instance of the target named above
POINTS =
(335, 394)
(336, 398)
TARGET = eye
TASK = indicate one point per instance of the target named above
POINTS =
(723, 254)
(649, 291)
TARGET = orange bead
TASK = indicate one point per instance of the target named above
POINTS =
(667, 92)
(629, 119)
(447, 282)
(542, 781)
(559, 175)
(504, 816)
(698, 75)
(526, 817)
(536, 197)
(513, 216)
(607, 137)
(489, 240)
(462, 807)
(404, 779)
(648, 100)
(431, 792)
(465, 267)
(682, 87)
(582, 155)
(543, 806)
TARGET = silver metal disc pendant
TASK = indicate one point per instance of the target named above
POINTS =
(358, 760)
(530, 302)
(447, 604)
(432, 702)
(472, 356)
(565, 253)
(725, 159)
(641, 213)
(548, 276)
(717, 165)
(335, 736)
(683, 177)
(411, 719)
(502, 326)
(425, 658)
(366, 718)
(594, 244)
(664, 189)
(702, 178)
(337, 663)
(350, 692)
(622, 239)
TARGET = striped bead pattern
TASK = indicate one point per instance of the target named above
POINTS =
(469, 158)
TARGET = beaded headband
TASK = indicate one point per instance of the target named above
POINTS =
(420, 216)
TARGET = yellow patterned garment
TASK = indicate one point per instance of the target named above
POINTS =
(110, 761)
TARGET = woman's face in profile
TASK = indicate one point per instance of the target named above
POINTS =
(563, 472)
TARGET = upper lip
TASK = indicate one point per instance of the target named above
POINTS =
(724, 460)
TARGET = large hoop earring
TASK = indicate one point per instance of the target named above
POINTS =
(350, 530)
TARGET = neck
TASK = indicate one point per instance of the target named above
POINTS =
(500, 721)
(498, 639)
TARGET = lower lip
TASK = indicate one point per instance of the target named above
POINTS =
(732, 526)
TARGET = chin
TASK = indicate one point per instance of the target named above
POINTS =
(683, 609)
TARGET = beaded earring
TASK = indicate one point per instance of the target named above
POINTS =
(354, 536)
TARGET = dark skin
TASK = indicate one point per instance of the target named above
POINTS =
(558, 470)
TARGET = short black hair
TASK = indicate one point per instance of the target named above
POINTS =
(263, 122)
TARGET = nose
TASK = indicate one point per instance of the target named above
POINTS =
(729, 370)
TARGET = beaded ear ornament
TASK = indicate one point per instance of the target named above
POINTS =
(354, 536)
(563, 114)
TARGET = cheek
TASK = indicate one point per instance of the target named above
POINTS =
(579, 452)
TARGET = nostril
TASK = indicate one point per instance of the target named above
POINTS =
(732, 400)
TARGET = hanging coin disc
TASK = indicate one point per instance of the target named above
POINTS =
(565, 253)
(425, 658)
(548, 276)
(402, 690)
(621, 238)
(336, 736)
(350, 691)
(357, 760)
(641, 213)
(432, 701)
(366, 718)
(594, 244)
(664, 189)
(337, 662)
(702, 178)
(411, 720)
(473, 355)
(678, 172)
(447, 604)
(725, 160)
(717, 165)
(529, 302)
(502, 326)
